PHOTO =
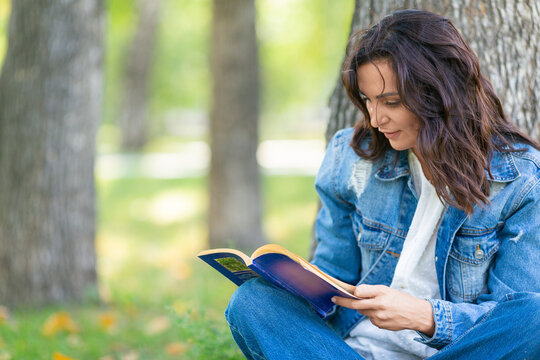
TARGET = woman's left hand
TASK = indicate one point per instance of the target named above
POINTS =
(391, 309)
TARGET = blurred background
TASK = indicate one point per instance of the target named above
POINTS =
(153, 298)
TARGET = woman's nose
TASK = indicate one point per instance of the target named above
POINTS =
(377, 117)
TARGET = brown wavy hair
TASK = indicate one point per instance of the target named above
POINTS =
(438, 77)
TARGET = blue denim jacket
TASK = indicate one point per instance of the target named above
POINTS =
(367, 208)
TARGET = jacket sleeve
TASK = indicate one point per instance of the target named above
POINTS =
(337, 252)
(515, 269)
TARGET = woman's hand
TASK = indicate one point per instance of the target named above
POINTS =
(391, 309)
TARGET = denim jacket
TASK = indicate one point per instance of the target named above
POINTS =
(367, 208)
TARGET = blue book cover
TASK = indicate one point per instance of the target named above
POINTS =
(283, 268)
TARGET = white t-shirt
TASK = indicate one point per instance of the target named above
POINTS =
(415, 274)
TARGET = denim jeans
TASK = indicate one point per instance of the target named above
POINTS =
(268, 322)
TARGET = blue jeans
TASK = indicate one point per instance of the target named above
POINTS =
(268, 322)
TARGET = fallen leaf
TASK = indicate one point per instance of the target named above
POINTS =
(4, 314)
(57, 322)
(180, 307)
(176, 348)
(158, 325)
(107, 321)
(59, 356)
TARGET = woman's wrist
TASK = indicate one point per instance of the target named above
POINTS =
(425, 322)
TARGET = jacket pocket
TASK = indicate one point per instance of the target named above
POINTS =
(471, 256)
(372, 240)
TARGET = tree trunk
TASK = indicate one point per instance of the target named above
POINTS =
(50, 106)
(134, 118)
(504, 34)
(235, 199)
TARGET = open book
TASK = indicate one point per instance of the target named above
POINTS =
(283, 268)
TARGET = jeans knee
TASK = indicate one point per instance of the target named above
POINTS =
(529, 305)
(248, 302)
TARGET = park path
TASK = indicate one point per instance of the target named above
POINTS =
(282, 157)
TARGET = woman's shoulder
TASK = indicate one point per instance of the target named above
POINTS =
(345, 136)
(527, 158)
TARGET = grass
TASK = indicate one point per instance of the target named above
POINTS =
(157, 301)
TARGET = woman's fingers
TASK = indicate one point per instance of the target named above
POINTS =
(361, 305)
(369, 291)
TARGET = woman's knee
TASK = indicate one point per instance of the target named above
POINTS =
(250, 301)
(529, 305)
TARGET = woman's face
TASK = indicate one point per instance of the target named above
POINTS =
(378, 88)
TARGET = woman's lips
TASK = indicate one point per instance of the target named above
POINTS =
(391, 135)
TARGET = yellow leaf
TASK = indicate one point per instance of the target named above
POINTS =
(59, 356)
(57, 322)
(107, 321)
(158, 325)
(180, 307)
(176, 348)
(4, 314)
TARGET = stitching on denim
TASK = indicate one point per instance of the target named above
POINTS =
(482, 320)
(260, 357)
(470, 297)
(522, 196)
(464, 231)
(459, 257)
(386, 228)
(526, 156)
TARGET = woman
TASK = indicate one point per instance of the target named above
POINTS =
(431, 205)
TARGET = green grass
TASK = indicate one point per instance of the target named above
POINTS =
(161, 302)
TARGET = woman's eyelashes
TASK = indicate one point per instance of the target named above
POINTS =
(387, 102)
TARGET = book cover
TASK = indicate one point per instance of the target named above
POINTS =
(281, 268)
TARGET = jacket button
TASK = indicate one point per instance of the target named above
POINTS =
(479, 253)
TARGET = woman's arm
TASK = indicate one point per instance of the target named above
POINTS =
(514, 269)
(337, 252)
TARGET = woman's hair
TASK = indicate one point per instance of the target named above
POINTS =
(438, 77)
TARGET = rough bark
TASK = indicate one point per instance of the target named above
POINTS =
(235, 199)
(134, 118)
(504, 34)
(50, 105)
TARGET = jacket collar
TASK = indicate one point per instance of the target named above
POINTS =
(390, 169)
(503, 168)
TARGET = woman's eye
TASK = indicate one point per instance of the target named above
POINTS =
(393, 103)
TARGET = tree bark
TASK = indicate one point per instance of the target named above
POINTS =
(235, 196)
(504, 34)
(50, 105)
(134, 118)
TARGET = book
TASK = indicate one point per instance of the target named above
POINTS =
(282, 268)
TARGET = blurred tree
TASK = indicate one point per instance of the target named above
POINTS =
(235, 195)
(505, 35)
(50, 106)
(133, 122)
